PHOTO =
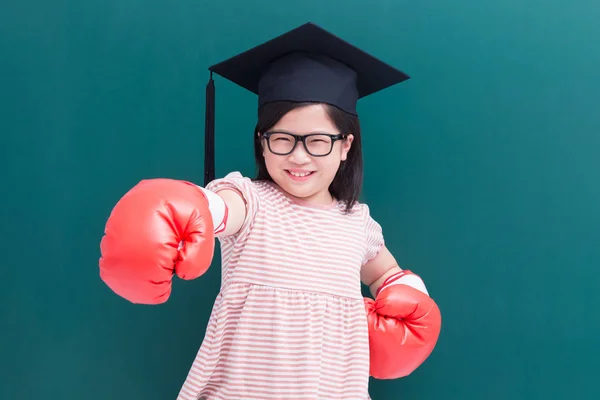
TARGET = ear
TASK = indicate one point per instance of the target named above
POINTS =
(346, 145)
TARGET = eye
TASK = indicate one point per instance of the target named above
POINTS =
(280, 137)
(319, 139)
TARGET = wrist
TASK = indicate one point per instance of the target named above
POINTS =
(404, 277)
(218, 209)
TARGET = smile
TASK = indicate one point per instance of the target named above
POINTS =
(299, 175)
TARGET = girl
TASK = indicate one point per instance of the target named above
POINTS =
(290, 321)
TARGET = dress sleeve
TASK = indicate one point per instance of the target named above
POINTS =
(374, 237)
(244, 186)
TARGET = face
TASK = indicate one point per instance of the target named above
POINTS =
(300, 174)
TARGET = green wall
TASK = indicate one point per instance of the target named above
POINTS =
(483, 169)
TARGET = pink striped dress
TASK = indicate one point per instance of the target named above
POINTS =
(289, 321)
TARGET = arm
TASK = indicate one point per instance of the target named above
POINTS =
(384, 266)
(376, 271)
(228, 210)
(235, 214)
(404, 322)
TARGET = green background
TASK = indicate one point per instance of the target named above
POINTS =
(483, 170)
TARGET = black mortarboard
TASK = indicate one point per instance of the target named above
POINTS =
(306, 64)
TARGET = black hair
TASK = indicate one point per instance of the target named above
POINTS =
(347, 183)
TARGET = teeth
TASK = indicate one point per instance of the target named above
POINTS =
(300, 174)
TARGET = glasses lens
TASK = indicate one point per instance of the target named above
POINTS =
(281, 143)
(318, 145)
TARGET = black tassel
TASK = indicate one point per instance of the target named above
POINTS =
(209, 133)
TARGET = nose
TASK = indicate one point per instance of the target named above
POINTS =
(299, 155)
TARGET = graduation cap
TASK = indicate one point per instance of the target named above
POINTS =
(306, 64)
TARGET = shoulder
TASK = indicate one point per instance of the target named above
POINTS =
(361, 211)
(372, 227)
(234, 178)
(372, 230)
(249, 188)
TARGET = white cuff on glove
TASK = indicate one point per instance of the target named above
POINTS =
(406, 277)
(218, 210)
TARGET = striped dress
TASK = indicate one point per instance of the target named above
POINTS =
(289, 321)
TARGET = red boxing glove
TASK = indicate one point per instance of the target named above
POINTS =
(160, 227)
(404, 326)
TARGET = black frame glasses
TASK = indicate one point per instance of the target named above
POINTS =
(302, 138)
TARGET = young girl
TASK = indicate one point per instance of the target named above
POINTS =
(290, 321)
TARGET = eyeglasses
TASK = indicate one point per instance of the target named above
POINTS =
(315, 144)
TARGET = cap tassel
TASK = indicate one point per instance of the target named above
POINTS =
(209, 133)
